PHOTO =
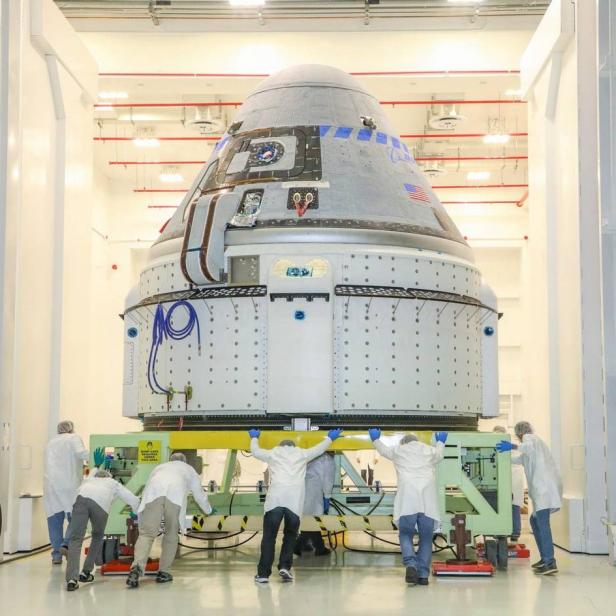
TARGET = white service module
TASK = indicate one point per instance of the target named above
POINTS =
(310, 271)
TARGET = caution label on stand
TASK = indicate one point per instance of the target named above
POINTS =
(149, 452)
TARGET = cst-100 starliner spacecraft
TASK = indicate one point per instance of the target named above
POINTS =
(310, 272)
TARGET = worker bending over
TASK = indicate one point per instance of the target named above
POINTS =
(93, 502)
(544, 488)
(164, 498)
(320, 474)
(285, 499)
(416, 509)
(64, 458)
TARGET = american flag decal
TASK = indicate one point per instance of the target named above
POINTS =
(417, 193)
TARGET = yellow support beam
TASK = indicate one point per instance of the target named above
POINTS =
(239, 439)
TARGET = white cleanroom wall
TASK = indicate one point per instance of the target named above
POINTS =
(563, 368)
(44, 325)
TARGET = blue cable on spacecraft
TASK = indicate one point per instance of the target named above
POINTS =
(162, 329)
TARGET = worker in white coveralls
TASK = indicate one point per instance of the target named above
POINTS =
(65, 455)
(285, 499)
(416, 509)
(320, 474)
(545, 489)
(94, 498)
(518, 485)
(164, 498)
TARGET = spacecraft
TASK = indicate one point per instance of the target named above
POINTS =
(310, 273)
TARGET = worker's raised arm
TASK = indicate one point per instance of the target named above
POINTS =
(438, 451)
(314, 452)
(261, 454)
(199, 493)
(384, 450)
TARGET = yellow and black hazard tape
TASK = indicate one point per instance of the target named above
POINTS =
(324, 523)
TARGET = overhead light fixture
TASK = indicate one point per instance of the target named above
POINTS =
(170, 175)
(513, 93)
(475, 176)
(496, 139)
(465, 1)
(145, 138)
(243, 3)
(110, 95)
(104, 108)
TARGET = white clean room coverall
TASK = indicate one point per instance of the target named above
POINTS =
(102, 490)
(64, 458)
(415, 465)
(518, 484)
(320, 476)
(545, 486)
(287, 468)
(174, 480)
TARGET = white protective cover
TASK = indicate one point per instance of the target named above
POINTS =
(102, 490)
(175, 480)
(320, 476)
(415, 465)
(64, 458)
(545, 486)
(287, 468)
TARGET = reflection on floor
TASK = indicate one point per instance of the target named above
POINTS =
(343, 583)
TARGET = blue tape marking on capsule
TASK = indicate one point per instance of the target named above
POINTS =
(364, 134)
(395, 142)
(323, 130)
(299, 315)
(343, 132)
(405, 148)
(381, 138)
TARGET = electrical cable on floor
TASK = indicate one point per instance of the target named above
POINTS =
(41, 550)
(436, 548)
(218, 547)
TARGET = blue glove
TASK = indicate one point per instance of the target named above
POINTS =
(254, 433)
(99, 456)
(505, 446)
(440, 437)
(375, 434)
(335, 433)
(108, 461)
(132, 515)
(325, 504)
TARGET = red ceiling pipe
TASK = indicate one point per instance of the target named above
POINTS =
(453, 135)
(157, 162)
(494, 101)
(523, 199)
(356, 73)
(423, 158)
(160, 190)
(476, 202)
(159, 138)
(407, 136)
(162, 207)
(483, 186)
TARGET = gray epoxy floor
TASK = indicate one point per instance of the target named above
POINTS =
(345, 583)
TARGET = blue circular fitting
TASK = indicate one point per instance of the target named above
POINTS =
(300, 315)
(132, 332)
(488, 331)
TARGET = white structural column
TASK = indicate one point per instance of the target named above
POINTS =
(565, 368)
(47, 86)
(607, 169)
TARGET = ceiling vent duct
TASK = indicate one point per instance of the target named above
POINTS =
(206, 123)
(444, 117)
